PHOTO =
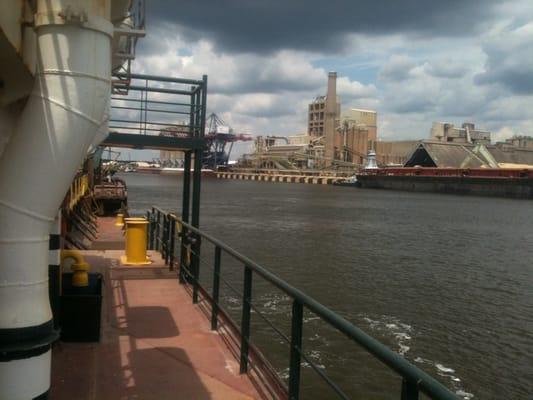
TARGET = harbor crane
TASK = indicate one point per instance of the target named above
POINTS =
(220, 138)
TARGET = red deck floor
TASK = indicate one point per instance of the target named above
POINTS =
(155, 343)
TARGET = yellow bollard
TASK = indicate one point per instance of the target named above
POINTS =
(136, 242)
(80, 269)
(80, 276)
(120, 220)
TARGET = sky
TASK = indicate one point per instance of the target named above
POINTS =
(413, 61)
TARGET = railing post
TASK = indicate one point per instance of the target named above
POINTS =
(216, 287)
(296, 348)
(152, 229)
(164, 250)
(167, 238)
(183, 251)
(172, 241)
(158, 231)
(185, 209)
(149, 230)
(155, 216)
(245, 320)
(409, 390)
(196, 267)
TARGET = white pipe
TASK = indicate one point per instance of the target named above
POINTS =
(103, 130)
(8, 118)
(29, 371)
(51, 137)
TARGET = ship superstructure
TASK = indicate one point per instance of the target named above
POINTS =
(56, 79)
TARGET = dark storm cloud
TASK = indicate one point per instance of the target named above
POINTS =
(314, 25)
(513, 78)
(251, 83)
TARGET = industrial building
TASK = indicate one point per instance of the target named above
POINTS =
(333, 140)
(446, 132)
(397, 153)
(336, 140)
(467, 155)
(394, 152)
(173, 158)
(346, 138)
(522, 142)
(362, 118)
(324, 109)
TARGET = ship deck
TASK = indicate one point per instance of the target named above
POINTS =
(155, 344)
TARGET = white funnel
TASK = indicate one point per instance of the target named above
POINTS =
(51, 137)
(371, 162)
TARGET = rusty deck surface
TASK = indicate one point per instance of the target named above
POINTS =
(155, 343)
(110, 237)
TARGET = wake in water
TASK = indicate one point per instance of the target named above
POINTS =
(401, 334)
(392, 327)
(447, 372)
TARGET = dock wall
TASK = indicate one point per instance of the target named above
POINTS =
(316, 180)
(478, 186)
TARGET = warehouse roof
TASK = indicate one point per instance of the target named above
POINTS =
(462, 155)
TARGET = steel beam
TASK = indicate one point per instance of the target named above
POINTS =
(138, 141)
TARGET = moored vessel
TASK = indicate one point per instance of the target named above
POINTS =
(513, 183)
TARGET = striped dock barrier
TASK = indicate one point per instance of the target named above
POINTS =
(312, 180)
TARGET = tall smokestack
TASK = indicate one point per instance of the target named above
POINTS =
(331, 116)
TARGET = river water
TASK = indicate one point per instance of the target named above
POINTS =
(444, 280)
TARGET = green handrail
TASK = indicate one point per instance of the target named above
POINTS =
(414, 379)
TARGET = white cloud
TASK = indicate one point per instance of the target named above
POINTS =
(431, 86)
(447, 67)
(350, 90)
(254, 93)
(398, 68)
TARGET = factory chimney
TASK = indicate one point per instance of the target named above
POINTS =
(331, 116)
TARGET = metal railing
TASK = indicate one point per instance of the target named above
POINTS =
(167, 233)
(77, 190)
(158, 105)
